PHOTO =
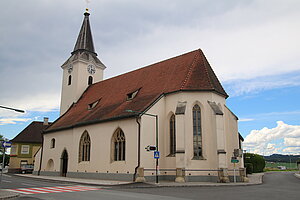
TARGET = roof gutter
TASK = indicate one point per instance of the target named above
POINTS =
(124, 116)
(89, 123)
(139, 148)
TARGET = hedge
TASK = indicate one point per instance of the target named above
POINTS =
(257, 161)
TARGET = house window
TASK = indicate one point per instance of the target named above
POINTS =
(13, 150)
(90, 81)
(131, 95)
(69, 80)
(197, 132)
(23, 162)
(92, 105)
(84, 147)
(172, 135)
(118, 142)
(25, 149)
(52, 143)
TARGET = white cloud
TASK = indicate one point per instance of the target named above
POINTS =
(240, 87)
(267, 140)
(246, 120)
(292, 150)
(4, 121)
(43, 102)
(292, 142)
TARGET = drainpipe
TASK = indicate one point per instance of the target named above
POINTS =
(139, 148)
(39, 171)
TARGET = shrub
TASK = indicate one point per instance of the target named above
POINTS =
(256, 160)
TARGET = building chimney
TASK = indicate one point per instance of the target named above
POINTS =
(46, 119)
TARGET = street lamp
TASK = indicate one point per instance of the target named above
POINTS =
(156, 123)
(6, 144)
(16, 110)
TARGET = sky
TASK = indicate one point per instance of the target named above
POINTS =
(252, 45)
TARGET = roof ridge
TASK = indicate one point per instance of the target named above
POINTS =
(213, 77)
(189, 72)
(150, 65)
(205, 68)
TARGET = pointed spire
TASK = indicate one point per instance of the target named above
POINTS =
(85, 40)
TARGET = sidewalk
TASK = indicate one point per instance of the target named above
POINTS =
(254, 179)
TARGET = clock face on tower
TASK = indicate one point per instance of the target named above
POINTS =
(70, 68)
(91, 69)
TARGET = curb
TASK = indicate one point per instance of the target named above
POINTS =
(7, 194)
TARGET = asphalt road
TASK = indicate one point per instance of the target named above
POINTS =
(277, 186)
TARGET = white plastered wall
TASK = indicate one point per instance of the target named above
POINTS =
(100, 158)
(232, 138)
(164, 108)
(79, 83)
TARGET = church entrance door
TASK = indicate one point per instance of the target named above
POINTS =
(64, 163)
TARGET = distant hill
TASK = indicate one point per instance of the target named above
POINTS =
(282, 158)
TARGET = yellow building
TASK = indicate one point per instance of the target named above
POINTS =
(26, 144)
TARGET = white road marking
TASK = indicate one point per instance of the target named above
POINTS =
(6, 181)
(40, 190)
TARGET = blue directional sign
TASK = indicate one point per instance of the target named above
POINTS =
(156, 154)
(6, 144)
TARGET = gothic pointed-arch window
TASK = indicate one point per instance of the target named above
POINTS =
(197, 132)
(84, 147)
(90, 81)
(69, 80)
(172, 135)
(118, 143)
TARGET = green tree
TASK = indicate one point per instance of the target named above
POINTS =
(257, 161)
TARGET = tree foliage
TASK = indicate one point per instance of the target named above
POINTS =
(257, 161)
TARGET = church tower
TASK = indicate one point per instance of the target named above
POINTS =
(82, 69)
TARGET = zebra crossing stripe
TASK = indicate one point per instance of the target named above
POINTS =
(43, 190)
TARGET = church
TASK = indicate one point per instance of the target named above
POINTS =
(166, 121)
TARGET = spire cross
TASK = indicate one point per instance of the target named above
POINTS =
(87, 5)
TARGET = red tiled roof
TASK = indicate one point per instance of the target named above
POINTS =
(31, 134)
(187, 72)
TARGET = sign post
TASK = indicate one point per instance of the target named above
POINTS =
(234, 160)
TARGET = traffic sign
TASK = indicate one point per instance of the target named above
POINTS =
(156, 154)
(150, 148)
(234, 161)
(6, 144)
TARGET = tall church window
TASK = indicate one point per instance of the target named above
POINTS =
(197, 132)
(172, 135)
(90, 81)
(118, 142)
(69, 80)
(84, 147)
